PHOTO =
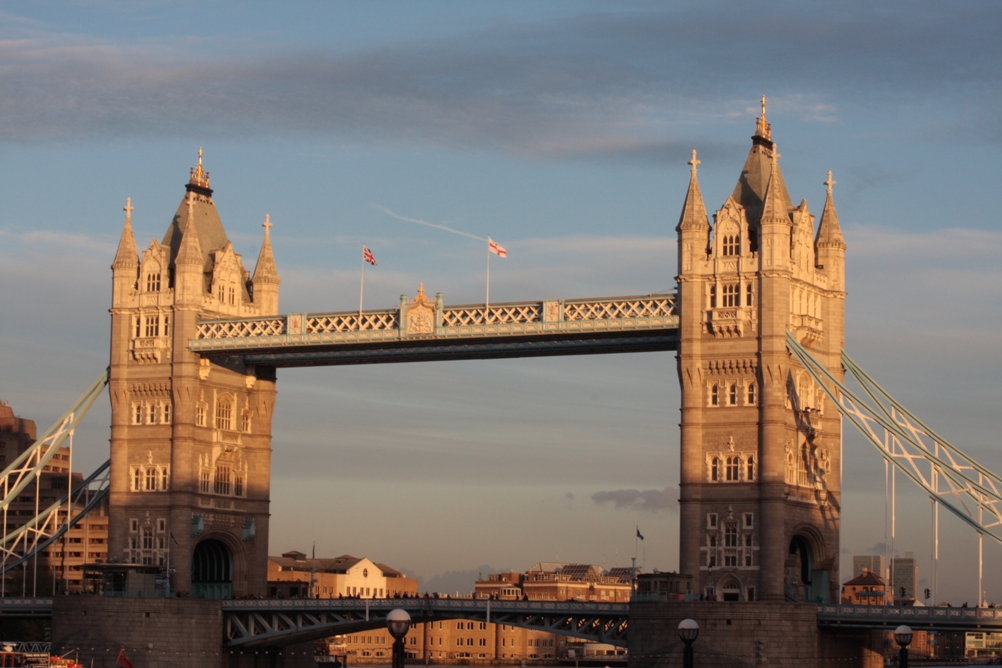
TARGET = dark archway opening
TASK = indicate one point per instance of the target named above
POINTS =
(804, 582)
(211, 570)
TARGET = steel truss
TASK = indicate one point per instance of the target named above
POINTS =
(948, 475)
(48, 524)
(274, 623)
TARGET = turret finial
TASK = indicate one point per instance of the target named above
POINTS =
(830, 182)
(267, 224)
(762, 126)
(199, 176)
(694, 162)
(128, 208)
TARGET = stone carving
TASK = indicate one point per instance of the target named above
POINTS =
(420, 315)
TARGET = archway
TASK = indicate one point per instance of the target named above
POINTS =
(729, 589)
(211, 570)
(807, 579)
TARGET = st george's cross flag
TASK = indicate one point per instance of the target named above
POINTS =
(367, 256)
(493, 247)
(123, 660)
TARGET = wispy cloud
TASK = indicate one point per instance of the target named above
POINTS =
(437, 226)
(648, 500)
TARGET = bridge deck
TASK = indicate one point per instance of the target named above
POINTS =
(425, 331)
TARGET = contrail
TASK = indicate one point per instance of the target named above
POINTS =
(426, 223)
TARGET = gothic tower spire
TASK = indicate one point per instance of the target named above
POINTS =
(127, 255)
(694, 215)
(266, 279)
(829, 231)
(776, 207)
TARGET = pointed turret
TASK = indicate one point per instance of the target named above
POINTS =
(197, 207)
(776, 205)
(694, 215)
(127, 255)
(829, 231)
(750, 189)
(189, 274)
(266, 279)
(190, 252)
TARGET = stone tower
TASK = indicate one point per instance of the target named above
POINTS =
(190, 439)
(761, 444)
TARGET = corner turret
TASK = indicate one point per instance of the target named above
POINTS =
(694, 224)
(266, 281)
(829, 244)
(125, 268)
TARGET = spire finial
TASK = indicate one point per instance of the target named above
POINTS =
(763, 118)
(830, 182)
(128, 208)
(762, 127)
(694, 162)
(267, 224)
(200, 148)
(199, 176)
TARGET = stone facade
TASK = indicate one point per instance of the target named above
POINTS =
(190, 439)
(760, 443)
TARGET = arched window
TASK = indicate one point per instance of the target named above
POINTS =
(137, 415)
(224, 414)
(751, 394)
(751, 468)
(715, 469)
(732, 469)
(153, 413)
(137, 479)
(714, 395)
(732, 394)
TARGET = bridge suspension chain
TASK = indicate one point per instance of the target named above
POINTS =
(948, 475)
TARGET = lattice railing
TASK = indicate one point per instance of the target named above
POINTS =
(624, 308)
(226, 329)
(350, 322)
(504, 314)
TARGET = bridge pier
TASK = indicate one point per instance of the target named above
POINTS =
(738, 634)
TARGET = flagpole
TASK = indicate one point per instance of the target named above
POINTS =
(487, 299)
(361, 291)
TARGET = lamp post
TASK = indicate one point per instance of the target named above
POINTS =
(398, 622)
(688, 631)
(903, 634)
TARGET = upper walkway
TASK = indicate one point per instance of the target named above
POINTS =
(425, 330)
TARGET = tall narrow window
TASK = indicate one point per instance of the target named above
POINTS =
(166, 325)
(153, 282)
(751, 471)
(153, 413)
(167, 413)
(732, 394)
(224, 414)
(714, 395)
(715, 469)
(713, 296)
(732, 469)
(232, 296)
(222, 480)
(731, 535)
(137, 414)
(748, 295)
(245, 423)
(751, 394)
(148, 543)
(151, 479)
(732, 295)
(203, 481)
(164, 477)
(137, 479)
(200, 415)
(238, 485)
(139, 324)
(152, 325)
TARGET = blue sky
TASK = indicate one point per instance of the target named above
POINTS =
(562, 130)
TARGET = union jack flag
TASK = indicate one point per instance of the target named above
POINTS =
(493, 247)
(367, 256)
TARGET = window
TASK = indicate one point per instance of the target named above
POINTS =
(238, 485)
(152, 325)
(750, 593)
(161, 525)
(732, 394)
(164, 478)
(148, 543)
(483, 642)
(483, 626)
(751, 471)
(166, 325)
(711, 520)
(139, 324)
(748, 295)
(469, 626)
(715, 469)
(732, 295)
(749, 521)
(732, 469)
(200, 415)
(713, 296)
(137, 479)
(714, 395)
(731, 535)
(748, 559)
(751, 394)
(166, 413)
(137, 414)
(223, 414)
(152, 282)
(151, 479)
(232, 296)
(730, 560)
(153, 413)
(203, 481)
(459, 626)
(245, 423)
(730, 245)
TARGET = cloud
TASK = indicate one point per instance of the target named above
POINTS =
(623, 84)
(648, 500)
(437, 226)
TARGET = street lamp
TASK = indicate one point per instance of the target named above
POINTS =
(688, 631)
(398, 622)
(903, 634)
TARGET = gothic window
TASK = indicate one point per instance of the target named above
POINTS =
(713, 296)
(714, 395)
(731, 535)
(711, 521)
(751, 469)
(153, 282)
(161, 525)
(730, 560)
(730, 245)
(224, 414)
(715, 469)
(151, 479)
(791, 468)
(750, 593)
(238, 485)
(751, 394)
(152, 325)
(200, 415)
(203, 481)
(803, 468)
(732, 469)
(137, 414)
(148, 543)
(748, 540)
(749, 519)
(153, 413)
(137, 479)
(166, 413)
(164, 478)
(748, 295)
(166, 325)
(139, 324)
(232, 295)
(133, 525)
(245, 424)
(732, 394)
(222, 480)
(732, 295)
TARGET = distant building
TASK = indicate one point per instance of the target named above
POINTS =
(292, 574)
(866, 589)
(666, 586)
(980, 644)
(873, 563)
(904, 577)
(85, 542)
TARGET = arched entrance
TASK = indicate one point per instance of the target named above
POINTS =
(211, 570)
(804, 580)
(729, 589)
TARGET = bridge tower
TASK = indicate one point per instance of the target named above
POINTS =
(761, 445)
(190, 439)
